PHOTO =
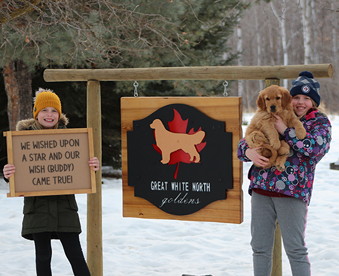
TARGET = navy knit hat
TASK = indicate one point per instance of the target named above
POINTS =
(306, 85)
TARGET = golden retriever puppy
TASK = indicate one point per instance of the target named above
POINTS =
(261, 131)
(169, 142)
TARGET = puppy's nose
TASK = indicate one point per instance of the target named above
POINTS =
(273, 107)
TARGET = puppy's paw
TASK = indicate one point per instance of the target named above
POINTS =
(280, 163)
(280, 167)
(284, 151)
(300, 132)
(275, 144)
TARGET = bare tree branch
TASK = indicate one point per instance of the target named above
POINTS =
(16, 9)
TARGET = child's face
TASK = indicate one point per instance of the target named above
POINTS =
(301, 104)
(48, 117)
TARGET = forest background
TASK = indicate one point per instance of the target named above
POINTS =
(40, 34)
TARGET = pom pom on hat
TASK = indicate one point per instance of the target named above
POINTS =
(306, 74)
(46, 98)
(306, 85)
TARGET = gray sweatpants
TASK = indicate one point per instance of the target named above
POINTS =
(291, 214)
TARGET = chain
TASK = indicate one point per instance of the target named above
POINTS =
(136, 84)
(225, 84)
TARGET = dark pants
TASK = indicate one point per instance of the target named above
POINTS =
(72, 248)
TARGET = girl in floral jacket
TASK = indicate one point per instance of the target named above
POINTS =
(285, 196)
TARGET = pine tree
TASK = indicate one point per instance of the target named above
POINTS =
(125, 34)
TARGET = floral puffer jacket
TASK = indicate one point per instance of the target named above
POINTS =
(297, 179)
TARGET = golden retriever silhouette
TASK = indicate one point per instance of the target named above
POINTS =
(169, 142)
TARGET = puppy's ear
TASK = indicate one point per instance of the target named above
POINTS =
(286, 97)
(261, 101)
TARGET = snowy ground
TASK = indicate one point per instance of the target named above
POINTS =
(138, 247)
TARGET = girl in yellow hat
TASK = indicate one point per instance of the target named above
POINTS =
(51, 217)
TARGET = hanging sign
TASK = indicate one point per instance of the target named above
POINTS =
(180, 157)
(50, 162)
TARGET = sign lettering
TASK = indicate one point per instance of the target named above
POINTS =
(51, 161)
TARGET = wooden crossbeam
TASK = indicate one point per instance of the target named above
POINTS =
(189, 73)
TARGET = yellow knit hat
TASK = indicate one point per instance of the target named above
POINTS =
(46, 98)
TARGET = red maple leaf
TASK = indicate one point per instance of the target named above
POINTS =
(178, 125)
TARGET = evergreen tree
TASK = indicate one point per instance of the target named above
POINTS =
(125, 34)
(206, 27)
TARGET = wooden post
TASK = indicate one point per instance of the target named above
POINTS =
(269, 82)
(277, 260)
(94, 201)
(277, 249)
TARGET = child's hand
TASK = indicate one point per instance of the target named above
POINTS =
(94, 163)
(8, 170)
(279, 125)
(256, 158)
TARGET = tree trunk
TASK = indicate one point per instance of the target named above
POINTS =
(315, 32)
(239, 49)
(334, 34)
(258, 35)
(282, 26)
(18, 86)
(305, 20)
(273, 51)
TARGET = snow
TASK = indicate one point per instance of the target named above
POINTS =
(140, 247)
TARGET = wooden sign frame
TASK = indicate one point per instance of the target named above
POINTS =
(84, 181)
(227, 109)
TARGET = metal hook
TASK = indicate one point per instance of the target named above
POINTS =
(136, 84)
(225, 84)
